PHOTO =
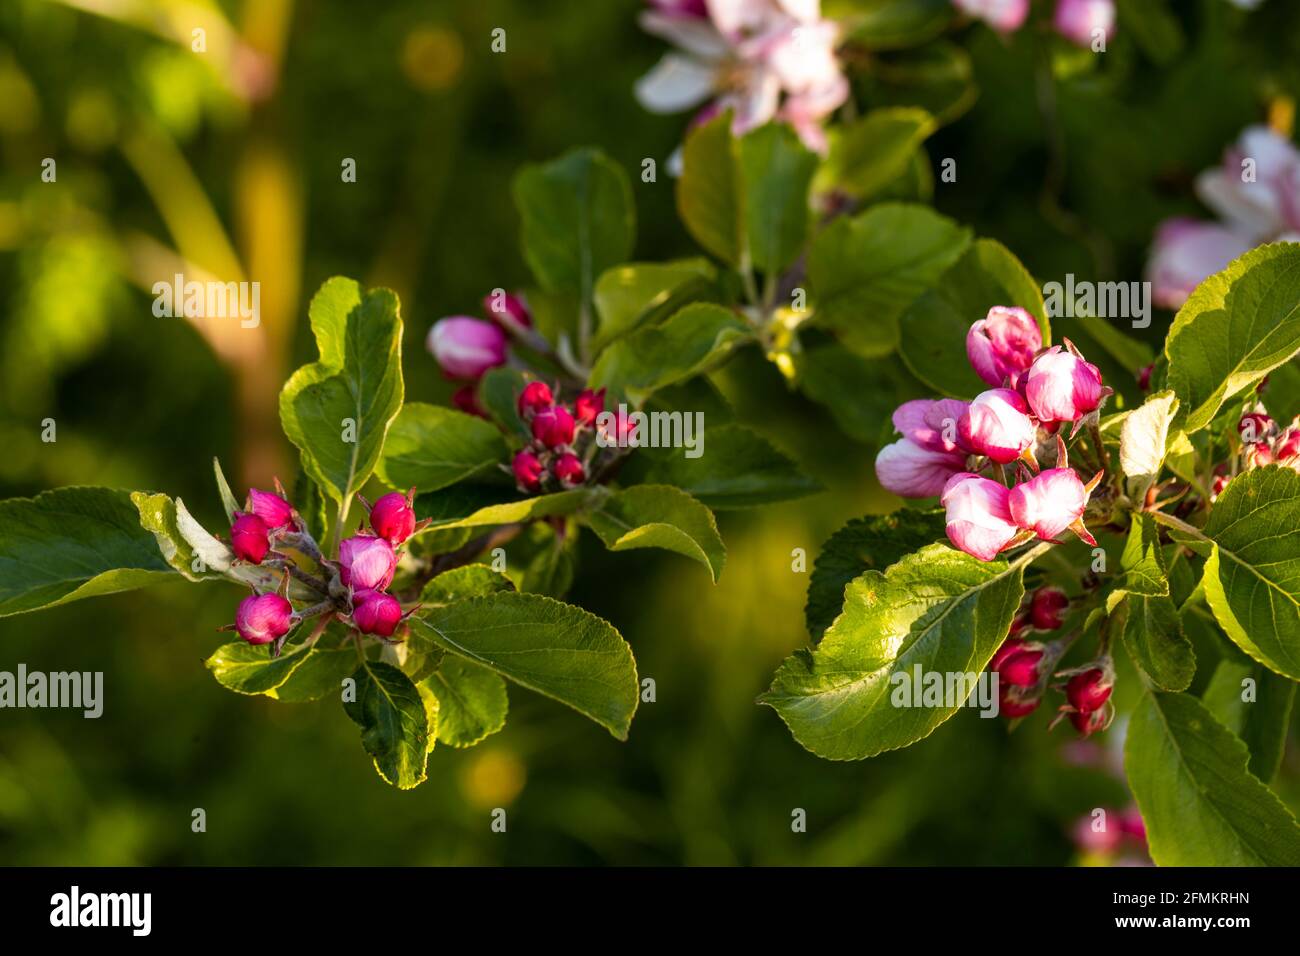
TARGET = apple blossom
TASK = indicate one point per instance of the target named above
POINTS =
(1088, 690)
(978, 519)
(1046, 607)
(508, 311)
(1003, 344)
(911, 471)
(568, 469)
(933, 424)
(1005, 16)
(1050, 502)
(393, 518)
(271, 508)
(553, 426)
(1062, 387)
(1082, 21)
(263, 618)
(588, 405)
(534, 397)
(249, 537)
(997, 424)
(465, 347)
(528, 471)
(366, 562)
(374, 612)
(1020, 668)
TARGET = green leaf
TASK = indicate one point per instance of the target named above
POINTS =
(228, 500)
(938, 610)
(1148, 619)
(578, 219)
(1252, 577)
(157, 514)
(1200, 804)
(510, 512)
(1153, 27)
(544, 561)
(867, 270)
(833, 377)
(776, 169)
(864, 544)
(1237, 326)
(625, 295)
(250, 669)
(393, 722)
(690, 342)
(891, 24)
(874, 150)
(498, 391)
(321, 672)
(1255, 704)
(734, 468)
(73, 543)
(338, 410)
(933, 329)
(542, 644)
(472, 701)
(473, 580)
(659, 516)
(430, 447)
(1143, 439)
(709, 198)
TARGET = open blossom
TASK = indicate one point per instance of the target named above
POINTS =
(978, 517)
(1256, 195)
(933, 424)
(761, 59)
(263, 618)
(1002, 345)
(997, 424)
(911, 471)
(1082, 21)
(1062, 387)
(465, 347)
(1049, 503)
(1005, 16)
(366, 562)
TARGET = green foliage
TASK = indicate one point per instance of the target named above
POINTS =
(660, 516)
(431, 447)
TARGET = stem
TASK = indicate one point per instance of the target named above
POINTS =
(1178, 524)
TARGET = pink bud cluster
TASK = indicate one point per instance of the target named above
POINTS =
(465, 347)
(946, 443)
(1263, 442)
(559, 433)
(363, 570)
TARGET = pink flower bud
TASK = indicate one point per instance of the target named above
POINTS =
(910, 471)
(978, 521)
(249, 537)
(1088, 723)
(1144, 377)
(508, 310)
(465, 398)
(1020, 668)
(1005, 16)
(1012, 702)
(1010, 646)
(1081, 21)
(374, 612)
(1050, 502)
(534, 397)
(366, 562)
(1132, 825)
(588, 405)
(1061, 387)
(465, 347)
(1003, 343)
(528, 471)
(997, 424)
(1216, 489)
(1089, 690)
(1046, 608)
(263, 618)
(1255, 427)
(568, 469)
(932, 424)
(393, 518)
(553, 426)
(271, 508)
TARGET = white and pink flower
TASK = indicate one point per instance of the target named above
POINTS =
(978, 515)
(997, 424)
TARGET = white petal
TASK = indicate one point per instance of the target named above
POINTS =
(676, 83)
(1252, 208)
(689, 33)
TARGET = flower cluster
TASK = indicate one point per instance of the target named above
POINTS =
(1263, 442)
(1025, 667)
(466, 347)
(760, 59)
(1256, 194)
(353, 587)
(563, 438)
(1079, 21)
(946, 443)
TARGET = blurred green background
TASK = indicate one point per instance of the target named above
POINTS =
(230, 160)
